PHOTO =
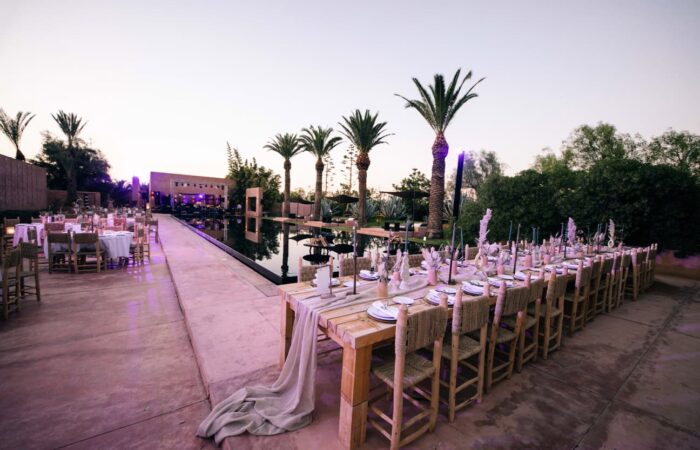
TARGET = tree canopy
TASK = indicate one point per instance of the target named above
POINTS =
(247, 174)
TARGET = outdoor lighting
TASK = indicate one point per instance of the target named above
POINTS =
(10, 230)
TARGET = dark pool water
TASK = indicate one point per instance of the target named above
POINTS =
(277, 247)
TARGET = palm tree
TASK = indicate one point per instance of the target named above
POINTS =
(71, 125)
(318, 140)
(287, 146)
(13, 129)
(364, 132)
(438, 107)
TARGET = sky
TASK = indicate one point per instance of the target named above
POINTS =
(165, 85)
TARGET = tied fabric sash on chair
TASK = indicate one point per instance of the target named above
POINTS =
(288, 403)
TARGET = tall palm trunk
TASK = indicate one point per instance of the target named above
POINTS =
(72, 187)
(362, 167)
(287, 185)
(437, 187)
(19, 155)
(319, 189)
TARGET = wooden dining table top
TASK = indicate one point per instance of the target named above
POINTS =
(350, 324)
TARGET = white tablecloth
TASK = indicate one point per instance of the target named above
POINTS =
(116, 245)
(21, 232)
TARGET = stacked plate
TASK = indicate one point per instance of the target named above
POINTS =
(368, 275)
(474, 287)
(434, 297)
(520, 276)
(550, 267)
(334, 282)
(382, 313)
(497, 282)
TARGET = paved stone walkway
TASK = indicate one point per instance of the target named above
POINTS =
(104, 361)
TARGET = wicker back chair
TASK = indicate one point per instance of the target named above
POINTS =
(502, 342)
(306, 273)
(29, 254)
(469, 315)
(87, 255)
(10, 282)
(347, 265)
(576, 302)
(551, 316)
(408, 370)
(594, 306)
(54, 227)
(59, 252)
(529, 337)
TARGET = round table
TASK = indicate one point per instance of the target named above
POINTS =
(21, 232)
(116, 244)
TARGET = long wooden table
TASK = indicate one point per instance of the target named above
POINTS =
(352, 329)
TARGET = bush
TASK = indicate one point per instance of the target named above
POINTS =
(652, 203)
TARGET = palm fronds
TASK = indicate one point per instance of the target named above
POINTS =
(363, 130)
(318, 140)
(286, 145)
(14, 128)
(439, 104)
(71, 125)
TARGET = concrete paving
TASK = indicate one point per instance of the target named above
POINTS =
(104, 361)
(109, 365)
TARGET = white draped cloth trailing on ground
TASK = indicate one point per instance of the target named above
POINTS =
(287, 405)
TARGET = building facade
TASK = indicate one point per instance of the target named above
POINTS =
(177, 189)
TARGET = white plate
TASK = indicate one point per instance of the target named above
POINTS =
(447, 290)
(506, 277)
(434, 298)
(334, 282)
(403, 300)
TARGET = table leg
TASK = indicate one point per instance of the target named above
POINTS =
(286, 328)
(354, 393)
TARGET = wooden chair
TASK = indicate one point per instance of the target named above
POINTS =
(601, 299)
(613, 283)
(87, 255)
(650, 267)
(10, 282)
(500, 362)
(29, 253)
(136, 247)
(528, 345)
(57, 227)
(152, 225)
(633, 285)
(470, 314)
(551, 316)
(624, 273)
(408, 370)
(594, 306)
(347, 266)
(60, 254)
(576, 302)
(36, 219)
(119, 222)
(306, 273)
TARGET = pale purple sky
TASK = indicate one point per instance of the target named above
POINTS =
(164, 85)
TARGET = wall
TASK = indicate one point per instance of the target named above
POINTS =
(58, 198)
(22, 185)
(165, 184)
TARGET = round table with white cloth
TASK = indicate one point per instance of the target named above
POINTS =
(21, 232)
(116, 244)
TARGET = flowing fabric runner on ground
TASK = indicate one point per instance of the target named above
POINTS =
(287, 405)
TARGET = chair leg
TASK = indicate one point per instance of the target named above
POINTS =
(547, 334)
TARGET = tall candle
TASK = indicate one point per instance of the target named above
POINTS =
(515, 255)
(510, 230)
(533, 235)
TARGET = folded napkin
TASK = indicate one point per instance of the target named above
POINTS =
(380, 309)
(472, 290)
(520, 276)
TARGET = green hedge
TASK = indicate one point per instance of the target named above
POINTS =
(652, 203)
